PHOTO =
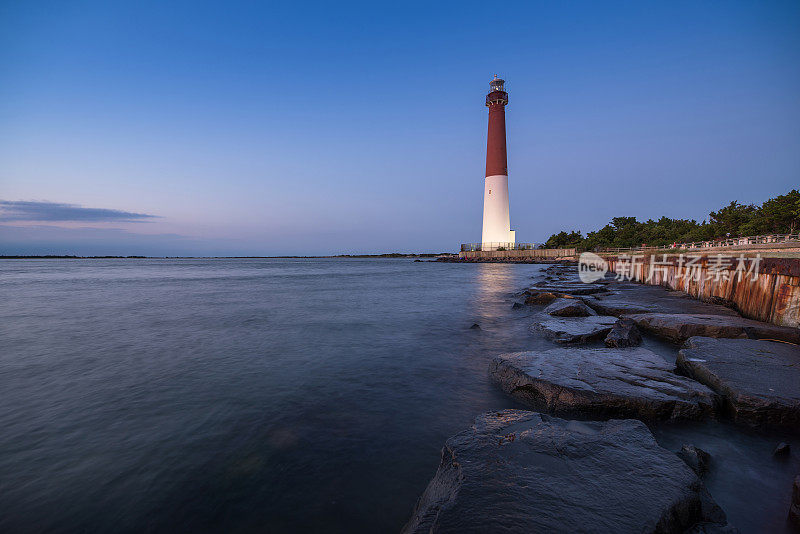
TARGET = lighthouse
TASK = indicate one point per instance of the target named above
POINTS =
(497, 231)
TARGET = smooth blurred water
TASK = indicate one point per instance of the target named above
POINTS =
(271, 395)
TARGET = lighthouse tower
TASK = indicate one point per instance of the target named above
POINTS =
(497, 231)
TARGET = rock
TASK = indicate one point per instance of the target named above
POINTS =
(712, 528)
(759, 381)
(518, 471)
(722, 302)
(569, 308)
(575, 329)
(539, 297)
(517, 306)
(561, 269)
(696, 458)
(623, 334)
(679, 327)
(475, 326)
(629, 298)
(601, 384)
(782, 450)
(794, 508)
(571, 288)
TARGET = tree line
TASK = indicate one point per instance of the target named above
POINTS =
(779, 215)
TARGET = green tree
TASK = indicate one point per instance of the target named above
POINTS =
(564, 240)
(777, 215)
(780, 215)
(734, 219)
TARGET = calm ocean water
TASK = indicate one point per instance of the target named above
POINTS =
(273, 395)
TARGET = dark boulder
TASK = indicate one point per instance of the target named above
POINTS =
(569, 308)
(574, 329)
(536, 298)
(722, 302)
(601, 384)
(794, 508)
(696, 458)
(782, 450)
(623, 334)
(518, 471)
(475, 326)
(758, 381)
(517, 306)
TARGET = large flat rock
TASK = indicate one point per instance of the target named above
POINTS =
(569, 308)
(630, 298)
(518, 471)
(602, 384)
(679, 327)
(759, 381)
(570, 288)
(574, 329)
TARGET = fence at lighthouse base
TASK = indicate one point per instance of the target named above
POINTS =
(519, 252)
(479, 247)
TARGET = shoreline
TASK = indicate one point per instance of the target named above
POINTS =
(619, 383)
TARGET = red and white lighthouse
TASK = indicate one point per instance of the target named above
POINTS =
(497, 231)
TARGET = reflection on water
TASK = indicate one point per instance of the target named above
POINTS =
(495, 281)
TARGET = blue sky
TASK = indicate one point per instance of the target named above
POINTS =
(263, 128)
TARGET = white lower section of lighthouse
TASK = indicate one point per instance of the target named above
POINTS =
(496, 220)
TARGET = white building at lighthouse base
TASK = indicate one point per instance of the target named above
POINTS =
(497, 232)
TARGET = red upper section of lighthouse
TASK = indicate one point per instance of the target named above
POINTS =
(496, 100)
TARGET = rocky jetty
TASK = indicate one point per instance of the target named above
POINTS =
(574, 329)
(518, 471)
(680, 327)
(563, 280)
(601, 384)
(758, 381)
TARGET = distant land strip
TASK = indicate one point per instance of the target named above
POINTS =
(73, 257)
